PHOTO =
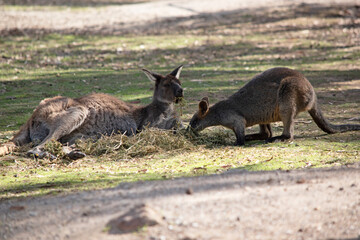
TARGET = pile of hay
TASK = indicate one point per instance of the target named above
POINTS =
(148, 141)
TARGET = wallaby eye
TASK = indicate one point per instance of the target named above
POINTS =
(167, 85)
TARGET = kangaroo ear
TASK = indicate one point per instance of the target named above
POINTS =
(204, 106)
(176, 72)
(151, 75)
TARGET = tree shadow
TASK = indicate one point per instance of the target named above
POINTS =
(205, 23)
(70, 3)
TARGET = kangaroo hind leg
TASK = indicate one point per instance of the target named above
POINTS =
(61, 125)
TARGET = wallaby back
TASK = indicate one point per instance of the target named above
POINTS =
(277, 94)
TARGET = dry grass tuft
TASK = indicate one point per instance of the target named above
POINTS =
(148, 141)
(55, 148)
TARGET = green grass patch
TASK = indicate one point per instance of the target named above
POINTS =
(219, 59)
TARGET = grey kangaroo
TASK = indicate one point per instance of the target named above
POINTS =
(66, 119)
(277, 94)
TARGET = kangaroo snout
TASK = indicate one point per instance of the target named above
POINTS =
(179, 93)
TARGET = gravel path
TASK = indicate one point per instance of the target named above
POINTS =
(117, 19)
(301, 204)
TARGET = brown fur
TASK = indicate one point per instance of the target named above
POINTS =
(66, 119)
(277, 94)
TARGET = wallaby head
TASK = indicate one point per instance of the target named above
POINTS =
(200, 121)
(167, 88)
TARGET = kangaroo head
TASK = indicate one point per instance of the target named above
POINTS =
(167, 88)
(199, 121)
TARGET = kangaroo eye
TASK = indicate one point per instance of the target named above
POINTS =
(167, 85)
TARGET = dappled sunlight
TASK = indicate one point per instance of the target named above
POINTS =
(221, 52)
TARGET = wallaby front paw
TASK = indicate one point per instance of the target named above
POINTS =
(278, 139)
(239, 143)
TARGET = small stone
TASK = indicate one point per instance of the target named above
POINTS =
(189, 191)
(33, 214)
(17, 208)
(139, 216)
(195, 225)
(188, 238)
(300, 181)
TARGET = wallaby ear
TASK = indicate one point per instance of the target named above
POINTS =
(204, 106)
(151, 75)
(176, 72)
(206, 99)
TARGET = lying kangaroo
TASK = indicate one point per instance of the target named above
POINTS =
(277, 94)
(66, 119)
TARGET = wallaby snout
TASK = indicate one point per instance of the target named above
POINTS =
(190, 130)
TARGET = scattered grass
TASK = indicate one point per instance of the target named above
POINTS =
(219, 57)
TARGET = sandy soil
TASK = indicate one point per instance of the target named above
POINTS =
(129, 18)
(304, 204)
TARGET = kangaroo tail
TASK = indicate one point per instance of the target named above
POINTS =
(7, 148)
(326, 126)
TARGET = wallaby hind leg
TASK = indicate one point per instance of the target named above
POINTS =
(288, 132)
(63, 125)
(264, 134)
(288, 105)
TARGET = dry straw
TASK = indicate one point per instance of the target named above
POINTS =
(148, 141)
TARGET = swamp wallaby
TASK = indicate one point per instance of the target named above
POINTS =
(91, 116)
(277, 94)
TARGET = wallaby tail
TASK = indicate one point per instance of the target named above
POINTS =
(7, 148)
(326, 126)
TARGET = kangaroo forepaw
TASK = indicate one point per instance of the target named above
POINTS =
(37, 153)
(74, 155)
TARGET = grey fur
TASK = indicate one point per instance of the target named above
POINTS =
(91, 116)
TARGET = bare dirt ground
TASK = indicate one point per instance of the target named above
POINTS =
(302, 204)
(147, 16)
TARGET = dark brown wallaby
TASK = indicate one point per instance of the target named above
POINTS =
(91, 116)
(277, 94)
